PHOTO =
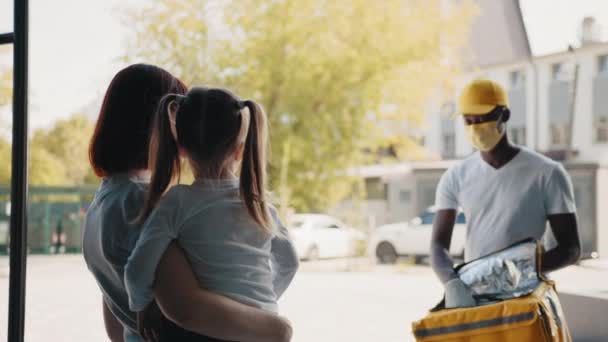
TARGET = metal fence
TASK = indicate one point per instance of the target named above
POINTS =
(55, 217)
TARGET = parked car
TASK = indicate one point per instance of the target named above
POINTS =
(318, 236)
(413, 238)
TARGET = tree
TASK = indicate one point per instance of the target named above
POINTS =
(57, 156)
(336, 78)
(6, 87)
(65, 143)
(6, 80)
(6, 93)
(45, 168)
(5, 164)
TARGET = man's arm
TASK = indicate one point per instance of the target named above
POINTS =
(568, 250)
(184, 302)
(113, 327)
(441, 261)
(457, 294)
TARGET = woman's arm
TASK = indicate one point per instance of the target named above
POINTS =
(114, 329)
(285, 259)
(181, 299)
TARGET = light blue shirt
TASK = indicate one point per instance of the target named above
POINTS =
(109, 238)
(504, 206)
(228, 251)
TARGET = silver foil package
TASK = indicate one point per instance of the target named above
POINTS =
(503, 275)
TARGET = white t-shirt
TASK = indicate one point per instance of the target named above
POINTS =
(227, 250)
(506, 205)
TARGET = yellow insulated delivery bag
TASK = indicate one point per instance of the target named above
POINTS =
(514, 302)
(535, 317)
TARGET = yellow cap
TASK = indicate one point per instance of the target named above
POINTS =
(480, 97)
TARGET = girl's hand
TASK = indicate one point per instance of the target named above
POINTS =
(149, 322)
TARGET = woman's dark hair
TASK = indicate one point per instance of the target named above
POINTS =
(120, 140)
(209, 125)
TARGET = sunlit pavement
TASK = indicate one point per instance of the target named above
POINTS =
(361, 302)
(336, 300)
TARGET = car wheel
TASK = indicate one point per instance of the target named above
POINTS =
(418, 259)
(386, 253)
(313, 253)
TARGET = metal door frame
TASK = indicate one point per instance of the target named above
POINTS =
(18, 220)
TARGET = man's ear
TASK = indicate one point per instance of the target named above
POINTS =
(506, 115)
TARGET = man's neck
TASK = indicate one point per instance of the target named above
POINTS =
(501, 154)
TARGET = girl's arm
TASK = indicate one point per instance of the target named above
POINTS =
(181, 299)
(285, 259)
(158, 231)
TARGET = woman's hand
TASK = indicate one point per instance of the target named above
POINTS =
(149, 322)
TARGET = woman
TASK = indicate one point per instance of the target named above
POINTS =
(119, 155)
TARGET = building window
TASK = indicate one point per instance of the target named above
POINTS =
(558, 72)
(449, 145)
(517, 79)
(518, 135)
(376, 189)
(601, 129)
(405, 196)
(602, 65)
(559, 134)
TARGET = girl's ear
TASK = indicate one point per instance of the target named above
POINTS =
(238, 152)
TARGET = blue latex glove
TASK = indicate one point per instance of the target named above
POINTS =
(458, 295)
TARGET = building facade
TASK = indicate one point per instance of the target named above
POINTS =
(559, 107)
(558, 103)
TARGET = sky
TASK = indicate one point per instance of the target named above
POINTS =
(76, 45)
(553, 24)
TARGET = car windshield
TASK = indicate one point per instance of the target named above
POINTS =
(427, 218)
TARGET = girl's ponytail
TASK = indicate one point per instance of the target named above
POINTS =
(253, 169)
(164, 161)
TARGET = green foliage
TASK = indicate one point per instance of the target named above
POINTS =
(6, 86)
(336, 78)
(45, 168)
(67, 142)
(6, 79)
(58, 156)
(5, 161)
(6, 93)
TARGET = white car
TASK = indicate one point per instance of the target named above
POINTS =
(413, 238)
(318, 236)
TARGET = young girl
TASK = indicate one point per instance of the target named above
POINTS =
(236, 244)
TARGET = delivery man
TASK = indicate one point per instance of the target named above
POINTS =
(507, 193)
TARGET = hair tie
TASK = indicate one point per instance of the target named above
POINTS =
(179, 99)
(240, 104)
